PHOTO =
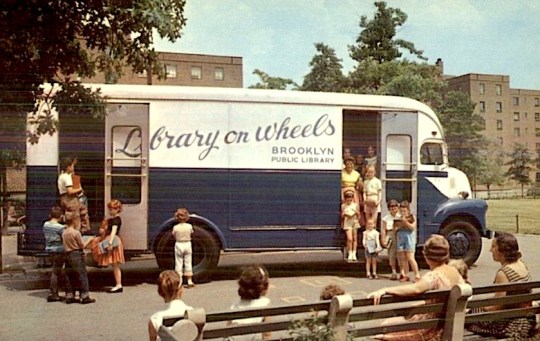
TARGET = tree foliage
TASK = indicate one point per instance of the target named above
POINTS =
(325, 74)
(399, 78)
(462, 128)
(520, 165)
(57, 41)
(269, 82)
(489, 167)
(377, 40)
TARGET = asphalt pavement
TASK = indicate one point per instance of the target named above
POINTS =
(296, 277)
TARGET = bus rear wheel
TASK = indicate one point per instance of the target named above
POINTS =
(464, 239)
(205, 253)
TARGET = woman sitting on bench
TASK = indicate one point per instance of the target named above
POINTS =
(441, 276)
(505, 250)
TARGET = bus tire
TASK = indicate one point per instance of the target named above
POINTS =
(205, 253)
(464, 239)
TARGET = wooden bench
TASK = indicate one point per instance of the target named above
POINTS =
(344, 315)
(515, 293)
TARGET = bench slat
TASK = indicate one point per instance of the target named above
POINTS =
(501, 314)
(402, 311)
(516, 286)
(395, 327)
(503, 300)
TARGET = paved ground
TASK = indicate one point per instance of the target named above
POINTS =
(296, 277)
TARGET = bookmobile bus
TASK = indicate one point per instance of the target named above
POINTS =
(260, 170)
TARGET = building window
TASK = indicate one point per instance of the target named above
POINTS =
(482, 88)
(498, 89)
(482, 106)
(537, 116)
(515, 101)
(517, 132)
(142, 74)
(498, 106)
(196, 72)
(538, 148)
(537, 102)
(537, 133)
(499, 124)
(171, 71)
(219, 75)
(516, 116)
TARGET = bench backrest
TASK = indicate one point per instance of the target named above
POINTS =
(339, 313)
(447, 307)
(522, 293)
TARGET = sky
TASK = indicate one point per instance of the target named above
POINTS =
(278, 36)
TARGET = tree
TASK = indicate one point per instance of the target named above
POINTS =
(269, 82)
(520, 165)
(489, 167)
(377, 40)
(398, 78)
(325, 74)
(462, 128)
(56, 42)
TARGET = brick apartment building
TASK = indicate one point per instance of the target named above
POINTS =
(511, 115)
(187, 69)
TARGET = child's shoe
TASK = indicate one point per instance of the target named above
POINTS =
(87, 300)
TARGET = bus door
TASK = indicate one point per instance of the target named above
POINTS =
(126, 169)
(399, 158)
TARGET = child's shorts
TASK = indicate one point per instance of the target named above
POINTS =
(406, 242)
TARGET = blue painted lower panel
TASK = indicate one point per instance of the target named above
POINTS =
(253, 209)
(41, 195)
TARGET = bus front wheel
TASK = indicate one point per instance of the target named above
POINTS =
(464, 239)
(205, 252)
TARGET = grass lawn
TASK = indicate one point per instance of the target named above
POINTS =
(501, 215)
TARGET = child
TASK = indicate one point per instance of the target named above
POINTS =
(52, 229)
(253, 286)
(170, 288)
(113, 253)
(330, 291)
(350, 213)
(372, 245)
(388, 235)
(462, 268)
(183, 252)
(372, 195)
(74, 246)
(406, 242)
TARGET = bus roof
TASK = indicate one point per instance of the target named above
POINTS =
(354, 101)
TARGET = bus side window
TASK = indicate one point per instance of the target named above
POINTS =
(431, 154)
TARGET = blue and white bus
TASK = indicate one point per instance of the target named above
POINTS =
(259, 169)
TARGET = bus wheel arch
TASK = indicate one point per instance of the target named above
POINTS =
(464, 238)
(206, 250)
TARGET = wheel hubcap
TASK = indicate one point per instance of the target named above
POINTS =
(459, 244)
